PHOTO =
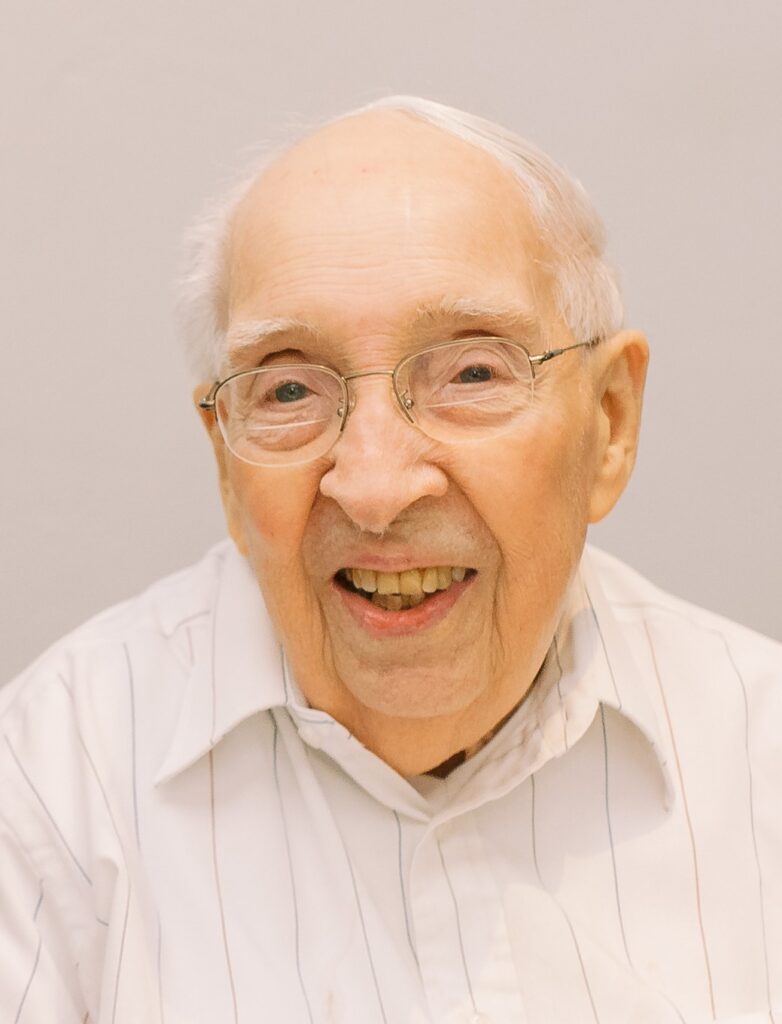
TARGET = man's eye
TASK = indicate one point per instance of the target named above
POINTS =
(474, 374)
(292, 391)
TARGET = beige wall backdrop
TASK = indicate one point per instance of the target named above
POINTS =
(119, 119)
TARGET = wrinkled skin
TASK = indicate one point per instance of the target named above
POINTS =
(351, 232)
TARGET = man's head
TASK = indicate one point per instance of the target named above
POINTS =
(376, 237)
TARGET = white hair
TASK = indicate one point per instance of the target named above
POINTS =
(586, 292)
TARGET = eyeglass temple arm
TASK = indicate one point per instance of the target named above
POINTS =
(208, 401)
(544, 357)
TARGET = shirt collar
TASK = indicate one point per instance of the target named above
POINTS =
(593, 635)
(238, 669)
(589, 666)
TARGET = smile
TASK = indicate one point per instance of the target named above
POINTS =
(400, 591)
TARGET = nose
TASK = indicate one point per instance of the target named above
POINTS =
(381, 463)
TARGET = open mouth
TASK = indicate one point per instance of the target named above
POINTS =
(399, 591)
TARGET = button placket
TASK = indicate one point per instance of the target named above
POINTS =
(464, 952)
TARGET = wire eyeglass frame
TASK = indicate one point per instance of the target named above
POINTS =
(404, 401)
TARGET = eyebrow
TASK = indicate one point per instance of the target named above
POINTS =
(511, 318)
(250, 337)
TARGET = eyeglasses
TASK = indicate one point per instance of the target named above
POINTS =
(458, 391)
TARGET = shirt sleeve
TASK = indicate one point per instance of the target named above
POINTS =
(38, 978)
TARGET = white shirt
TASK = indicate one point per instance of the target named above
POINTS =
(184, 840)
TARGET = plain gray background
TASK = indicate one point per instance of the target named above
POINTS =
(121, 119)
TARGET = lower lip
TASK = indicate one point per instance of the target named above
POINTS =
(379, 622)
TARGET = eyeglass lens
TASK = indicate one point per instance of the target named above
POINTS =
(465, 391)
(454, 392)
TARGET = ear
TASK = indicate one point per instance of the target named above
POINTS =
(231, 505)
(621, 375)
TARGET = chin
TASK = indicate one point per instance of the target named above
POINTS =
(412, 693)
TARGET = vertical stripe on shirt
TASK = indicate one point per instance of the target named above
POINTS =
(22, 1001)
(120, 956)
(286, 834)
(688, 820)
(558, 904)
(751, 802)
(402, 886)
(213, 670)
(218, 889)
(609, 666)
(115, 827)
(606, 778)
(47, 812)
(458, 928)
(134, 773)
(370, 958)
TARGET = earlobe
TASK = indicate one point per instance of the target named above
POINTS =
(620, 398)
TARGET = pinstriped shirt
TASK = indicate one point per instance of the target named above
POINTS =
(183, 839)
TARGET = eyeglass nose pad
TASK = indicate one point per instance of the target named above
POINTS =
(345, 408)
(404, 401)
(407, 403)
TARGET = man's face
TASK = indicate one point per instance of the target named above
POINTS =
(380, 236)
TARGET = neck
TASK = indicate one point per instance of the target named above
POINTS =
(444, 769)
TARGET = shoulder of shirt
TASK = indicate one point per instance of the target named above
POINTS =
(158, 611)
(633, 598)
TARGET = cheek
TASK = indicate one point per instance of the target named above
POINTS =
(274, 507)
(532, 494)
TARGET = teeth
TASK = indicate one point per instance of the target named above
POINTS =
(391, 602)
(410, 582)
(429, 581)
(388, 583)
(412, 585)
(397, 602)
(367, 580)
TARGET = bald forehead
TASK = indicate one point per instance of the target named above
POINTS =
(373, 140)
(389, 145)
(373, 216)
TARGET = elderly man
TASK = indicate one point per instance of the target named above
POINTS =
(400, 751)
